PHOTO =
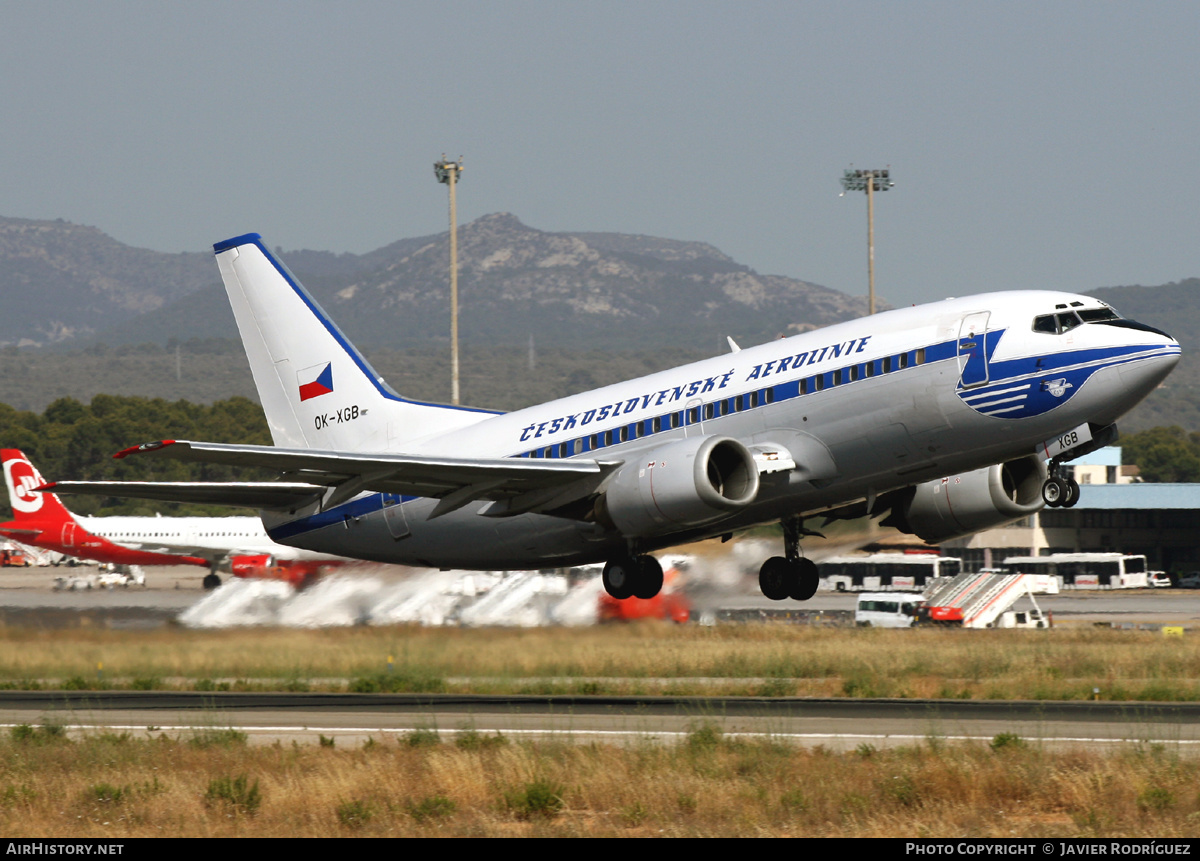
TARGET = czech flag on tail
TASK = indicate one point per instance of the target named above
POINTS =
(315, 381)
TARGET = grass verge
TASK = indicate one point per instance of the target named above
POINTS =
(116, 786)
(751, 660)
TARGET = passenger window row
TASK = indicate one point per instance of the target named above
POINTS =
(727, 406)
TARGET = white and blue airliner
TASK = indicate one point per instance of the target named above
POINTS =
(942, 419)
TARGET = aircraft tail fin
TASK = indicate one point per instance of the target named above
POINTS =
(21, 477)
(317, 390)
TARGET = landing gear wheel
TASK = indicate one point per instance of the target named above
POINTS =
(804, 580)
(1054, 492)
(649, 581)
(1072, 494)
(211, 581)
(619, 578)
(774, 578)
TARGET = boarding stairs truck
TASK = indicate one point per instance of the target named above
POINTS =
(985, 600)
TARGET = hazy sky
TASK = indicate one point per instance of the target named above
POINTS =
(1034, 144)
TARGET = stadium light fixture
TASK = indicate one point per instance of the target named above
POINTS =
(448, 172)
(869, 181)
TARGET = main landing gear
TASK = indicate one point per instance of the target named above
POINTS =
(1058, 491)
(633, 577)
(789, 576)
(211, 580)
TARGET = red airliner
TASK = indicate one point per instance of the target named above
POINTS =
(41, 520)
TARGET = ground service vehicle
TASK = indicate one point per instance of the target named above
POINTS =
(981, 600)
(882, 571)
(887, 609)
(1085, 570)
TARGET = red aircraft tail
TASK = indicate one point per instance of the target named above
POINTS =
(21, 477)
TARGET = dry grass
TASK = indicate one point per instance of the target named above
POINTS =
(116, 786)
(774, 660)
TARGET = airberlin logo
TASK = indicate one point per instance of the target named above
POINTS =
(22, 478)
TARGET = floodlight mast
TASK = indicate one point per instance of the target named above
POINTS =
(869, 181)
(448, 172)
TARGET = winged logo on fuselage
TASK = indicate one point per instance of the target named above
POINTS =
(1057, 388)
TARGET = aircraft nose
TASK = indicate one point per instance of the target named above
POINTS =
(1146, 374)
(1142, 327)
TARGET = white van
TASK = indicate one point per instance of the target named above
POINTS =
(1023, 619)
(887, 609)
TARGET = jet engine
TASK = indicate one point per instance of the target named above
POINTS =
(690, 482)
(971, 501)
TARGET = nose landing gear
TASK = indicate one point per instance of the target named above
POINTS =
(790, 576)
(1058, 491)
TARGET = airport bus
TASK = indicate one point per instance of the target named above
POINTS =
(882, 572)
(1085, 570)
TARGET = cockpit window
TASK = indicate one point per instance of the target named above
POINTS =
(1097, 315)
(1056, 324)
(1068, 321)
(1045, 324)
(1065, 321)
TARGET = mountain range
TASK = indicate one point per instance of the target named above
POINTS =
(68, 284)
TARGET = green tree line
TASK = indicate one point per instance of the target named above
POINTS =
(1164, 454)
(72, 440)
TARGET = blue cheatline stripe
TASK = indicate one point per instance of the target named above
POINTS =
(360, 507)
(1053, 362)
(331, 327)
(1074, 368)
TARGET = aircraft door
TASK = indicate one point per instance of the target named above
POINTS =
(393, 515)
(972, 349)
(693, 418)
(68, 535)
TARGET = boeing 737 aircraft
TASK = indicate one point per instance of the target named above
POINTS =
(944, 419)
(41, 520)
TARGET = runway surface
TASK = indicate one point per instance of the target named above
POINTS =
(350, 719)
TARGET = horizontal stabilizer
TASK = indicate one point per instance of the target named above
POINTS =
(10, 529)
(273, 495)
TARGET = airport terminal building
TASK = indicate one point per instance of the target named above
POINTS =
(1115, 513)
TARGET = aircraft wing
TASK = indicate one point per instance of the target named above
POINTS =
(517, 484)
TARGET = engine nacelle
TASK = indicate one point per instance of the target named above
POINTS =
(686, 483)
(971, 501)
